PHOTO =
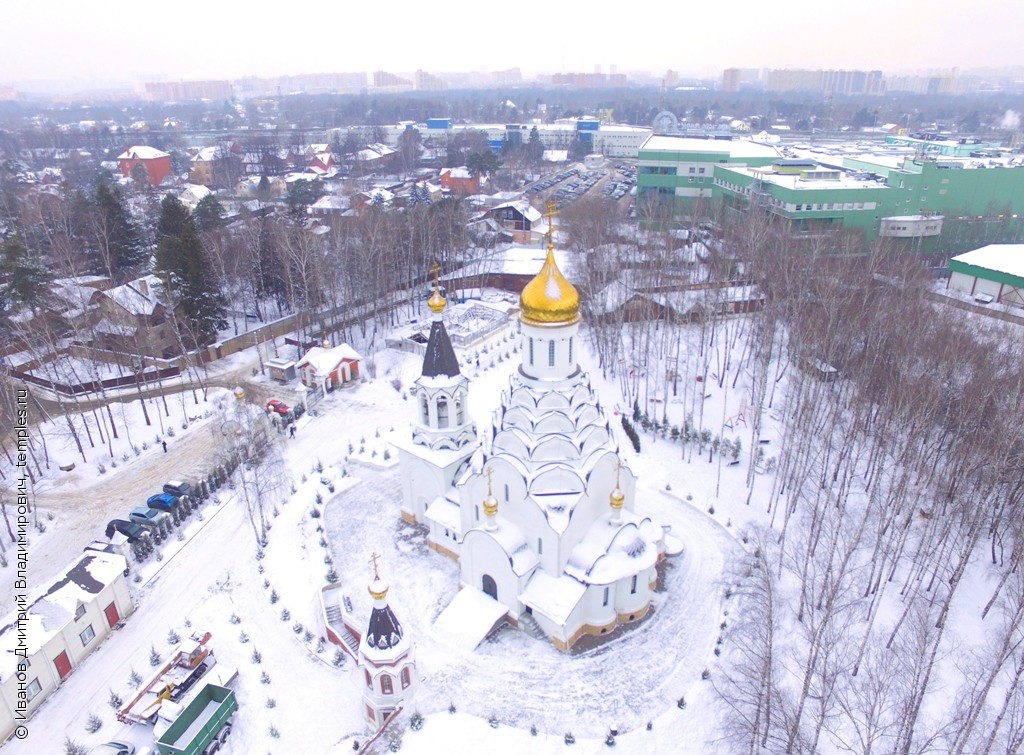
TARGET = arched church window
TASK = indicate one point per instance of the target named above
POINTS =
(386, 686)
(570, 350)
(369, 679)
(424, 410)
(551, 353)
(406, 677)
(458, 411)
(531, 351)
(442, 412)
(632, 587)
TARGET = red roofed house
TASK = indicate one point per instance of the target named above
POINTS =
(157, 164)
(460, 181)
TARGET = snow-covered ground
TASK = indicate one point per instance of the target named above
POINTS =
(219, 576)
(215, 578)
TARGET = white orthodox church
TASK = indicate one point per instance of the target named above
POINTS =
(540, 511)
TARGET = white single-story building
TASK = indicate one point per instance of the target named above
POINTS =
(993, 273)
(57, 628)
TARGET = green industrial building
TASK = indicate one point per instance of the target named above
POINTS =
(920, 201)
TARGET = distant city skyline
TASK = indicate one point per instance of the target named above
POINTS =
(120, 43)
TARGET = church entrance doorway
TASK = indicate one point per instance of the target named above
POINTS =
(490, 586)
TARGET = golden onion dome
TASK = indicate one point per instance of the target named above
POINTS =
(490, 505)
(378, 589)
(436, 302)
(549, 299)
(617, 498)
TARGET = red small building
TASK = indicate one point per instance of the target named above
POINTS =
(324, 368)
(157, 164)
(460, 181)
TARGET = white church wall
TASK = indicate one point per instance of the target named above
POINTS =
(633, 593)
(537, 358)
(599, 605)
(480, 556)
(421, 484)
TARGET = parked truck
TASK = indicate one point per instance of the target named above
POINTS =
(203, 724)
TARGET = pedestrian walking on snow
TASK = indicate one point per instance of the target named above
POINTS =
(291, 431)
(165, 445)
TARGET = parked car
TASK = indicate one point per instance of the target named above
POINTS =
(178, 488)
(113, 748)
(147, 516)
(130, 530)
(278, 407)
(163, 501)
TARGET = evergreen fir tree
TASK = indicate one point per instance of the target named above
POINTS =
(174, 217)
(193, 286)
(25, 278)
(209, 213)
(117, 238)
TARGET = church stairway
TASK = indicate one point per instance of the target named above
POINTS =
(531, 627)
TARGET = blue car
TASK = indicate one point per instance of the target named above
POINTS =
(162, 501)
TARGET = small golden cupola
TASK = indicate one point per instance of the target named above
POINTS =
(436, 302)
(616, 498)
(490, 504)
(549, 299)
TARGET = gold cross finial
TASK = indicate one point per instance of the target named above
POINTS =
(435, 269)
(373, 560)
(551, 225)
(489, 472)
(618, 466)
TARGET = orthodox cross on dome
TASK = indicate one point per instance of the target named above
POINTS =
(373, 560)
(618, 467)
(436, 302)
(551, 224)
(489, 472)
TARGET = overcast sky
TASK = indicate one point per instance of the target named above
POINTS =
(122, 40)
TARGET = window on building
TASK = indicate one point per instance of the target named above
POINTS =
(540, 546)
(632, 586)
(551, 353)
(80, 611)
(506, 492)
(424, 410)
(86, 635)
(406, 677)
(694, 170)
(531, 351)
(442, 412)
(605, 601)
(476, 513)
(33, 689)
(701, 171)
(458, 411)
(386, 685)
(570, 350)
(799, 207)
(369, 679)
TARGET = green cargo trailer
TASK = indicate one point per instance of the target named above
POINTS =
(200, 724)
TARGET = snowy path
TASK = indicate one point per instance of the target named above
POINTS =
(206, 583)
(628, 680)
(82, 513)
